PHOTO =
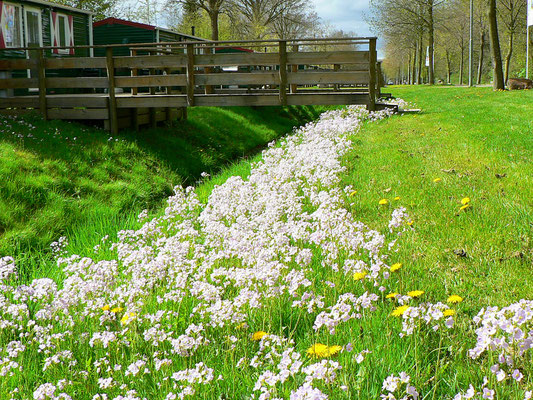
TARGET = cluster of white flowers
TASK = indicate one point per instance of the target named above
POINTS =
(426, 314)
(197, 269)
(398, 387)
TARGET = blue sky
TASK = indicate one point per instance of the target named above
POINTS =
(345, 14)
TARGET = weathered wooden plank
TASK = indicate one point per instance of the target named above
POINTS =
(22, 102)
(236, 78)
(73, 113)
(283, 72)
(16, 112)
(190, 75)
(175, 61)
(150, 80)
(328, 57)
(19, 83)
(18, 63)
(230, 59)
(76, 102)
(72, 83)
(314, 78)
(76, 62)
(110, 66)
(152, 101)
(294, 69)
(332, 98)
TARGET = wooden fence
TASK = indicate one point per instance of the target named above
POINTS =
(158, 81)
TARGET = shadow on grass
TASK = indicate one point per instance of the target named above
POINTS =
(58, 178)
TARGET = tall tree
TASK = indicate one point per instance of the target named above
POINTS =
(512, 13)
(497, 69)
(213, 8)
(258, 16)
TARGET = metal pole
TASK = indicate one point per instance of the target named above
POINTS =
(471, 46)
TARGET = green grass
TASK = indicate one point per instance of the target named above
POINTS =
(68, 179)
(480, 144)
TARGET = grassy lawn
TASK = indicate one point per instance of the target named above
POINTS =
(68, 179)
(476, 143)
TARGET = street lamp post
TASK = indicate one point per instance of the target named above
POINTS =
(471, 46)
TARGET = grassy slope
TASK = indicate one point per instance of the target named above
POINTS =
(473, 132)
(464, 137)
(67, 179)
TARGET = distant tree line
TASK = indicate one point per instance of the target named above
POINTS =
(439, 29)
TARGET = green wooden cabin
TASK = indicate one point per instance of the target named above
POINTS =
(38, 23)
(119, 31)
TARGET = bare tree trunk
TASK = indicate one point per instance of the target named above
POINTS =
(420, 57)
(448, 68)
(431, 72)
(213, 16)
(497, 74)
(413, 68)
(462, 66)
(409, 68)
(508, 56)
(481, 55)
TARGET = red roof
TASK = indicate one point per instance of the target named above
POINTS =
(234, 48)
(113, 21)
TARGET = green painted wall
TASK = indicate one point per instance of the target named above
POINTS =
(120, 34)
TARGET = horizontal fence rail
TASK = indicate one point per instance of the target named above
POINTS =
(155, 79)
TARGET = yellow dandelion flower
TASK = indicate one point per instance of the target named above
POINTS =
(437, 180)
(399, 311)
(465, 200)
(258, 335)
(449, 313)
(383, 202)
(454, 299)
(333, 350)
(391, 295)
(359, 276)
(320, 350)
(127, 318)
(116, 309)
(465, 207)
(397, 198)
(410, 223)
(395, 267)
(415, 293)
(106, 307)
(353, 193)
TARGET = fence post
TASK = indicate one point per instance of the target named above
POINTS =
(283, 72)
(152, 110)
(372, 60)
(41, 73)
(336, 68)
(207, 70)
(134, 72)
(110, 64)
(190, 75)
(294, 69)
(379, 79)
